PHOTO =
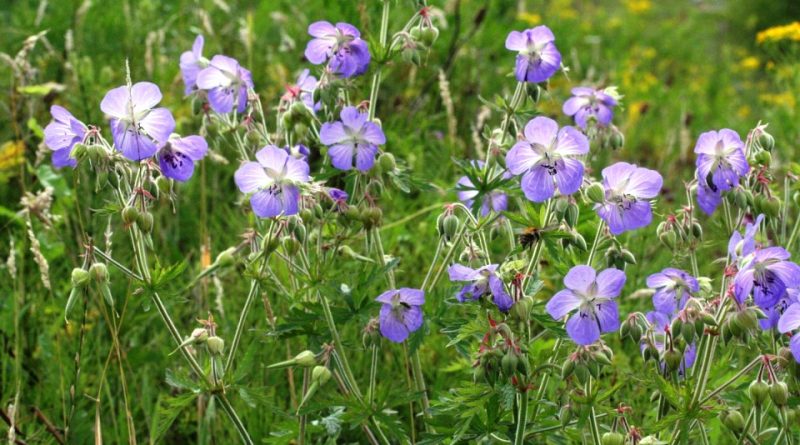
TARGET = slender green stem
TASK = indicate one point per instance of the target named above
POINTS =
(251, 297)
(536, 254)
(793, 236)
(596, 242)
(376, 78)
(373, 374)
(747, 424)
(515, 99)
(593, 416)
(419, 383)
(237, 422)
(731, 380)
(117, 264)
(339, 354)
(522, 418)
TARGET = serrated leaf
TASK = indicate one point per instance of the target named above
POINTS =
(167, 410)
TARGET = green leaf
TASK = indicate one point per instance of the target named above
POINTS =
(168, 409)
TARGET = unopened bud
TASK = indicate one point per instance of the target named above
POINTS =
(734, 420)
(79, 277)
(450, 225)
(596, 193)
(306, 359)
(226, 258)
(766, 141)
(129, 215)
(145, 221)
(613, 438)
(387, 162)
(99, 272)
(779, 393)
(320, 375)
(759, 391)
(215, 345)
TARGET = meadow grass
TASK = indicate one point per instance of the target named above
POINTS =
(682, 67)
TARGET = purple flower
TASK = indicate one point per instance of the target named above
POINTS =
(191, 64)
(341, 46)
(720, 164)
(62, 134)
(673, 287)
(138, 128)
(790, 321)
(352, 136)
(538, 57)
(766, 274)
(588, 103)
(591, 296)
(177, 157)
(707, 199)
(298, 151)
(628, 188)
(661, 322)
(303, 90)
(775, 312)
(494, 200)
(740, 245)
(338, 196)
(227, 84)
(273, 181)
(401, 313)
(482, 281)
(546, 159)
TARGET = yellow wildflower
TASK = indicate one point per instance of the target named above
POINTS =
(11, 154)
(778, 33)
(530, 18)
(750, 63)
(638, 6)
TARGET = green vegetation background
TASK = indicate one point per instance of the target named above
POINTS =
(683, 67)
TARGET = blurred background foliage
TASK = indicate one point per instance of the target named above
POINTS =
(684, 67)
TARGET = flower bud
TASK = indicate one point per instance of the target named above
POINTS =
(567, 368)
(613, 438)
(509, 363)
(428, 35)
(673, 359)
(306, 359)
(627, 256)
(688, 332)
(226, 258)
(766, 141)
(306, 215)
(129, 215)
(215, 345)
(99, 272)
(290, 245)
(78, 152)
(534, 91)
(450, 225)
(163, 184)
(763, 158)
(80, 277)
(669, 239)
(734, 421)
(572, 214)
(595, 193)
(617, 140)
(320, 375)
(387, 162)
(565, 415)
(779, 393)
(145, 221)
(759, 390)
